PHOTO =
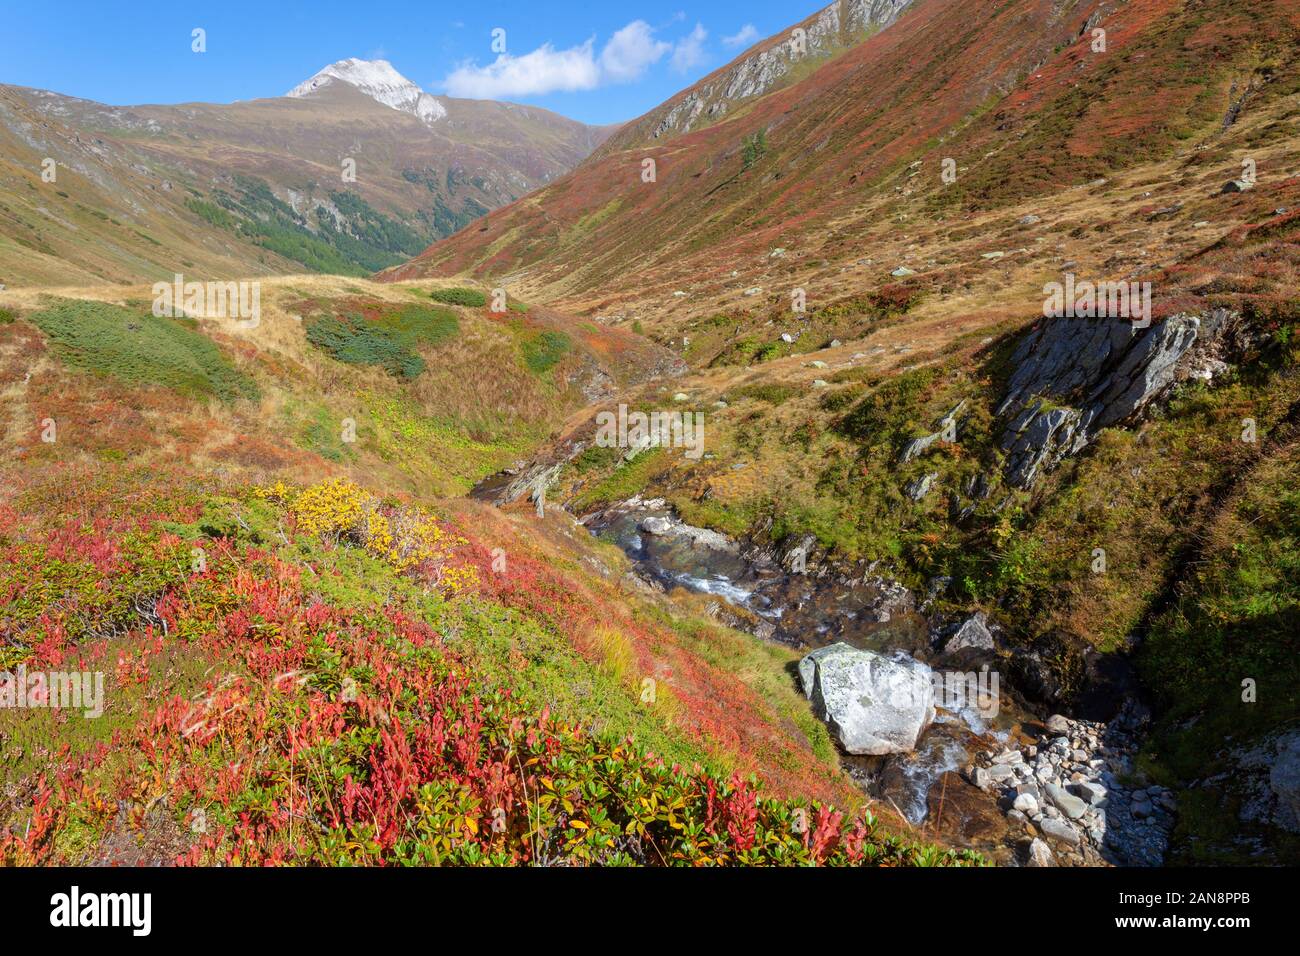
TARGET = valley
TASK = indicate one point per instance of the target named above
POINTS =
(944, 577)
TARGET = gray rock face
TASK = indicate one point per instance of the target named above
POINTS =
(1076, 376)
(918, 489)
(765, 68)
(874, 704)
(533, 482)
(971, 633)
(1284, 781)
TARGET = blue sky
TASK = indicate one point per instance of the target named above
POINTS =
(599, 62)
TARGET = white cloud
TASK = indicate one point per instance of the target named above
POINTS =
(742, 37)
(545, 70)
(625, 58)
(631, 51)
(689, 51)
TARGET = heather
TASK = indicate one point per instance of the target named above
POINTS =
(288, 685)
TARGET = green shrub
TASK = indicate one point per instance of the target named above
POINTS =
(6, 316)
(471, 298)
(753, 148)
(389, 341)
(141, 348)
(774, 393)
(544, 352)
(887, 413)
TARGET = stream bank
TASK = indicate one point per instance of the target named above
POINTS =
(974, 771)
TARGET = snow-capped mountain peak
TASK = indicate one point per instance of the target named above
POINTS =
(378, 80)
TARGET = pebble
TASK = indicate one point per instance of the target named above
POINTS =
(1068, 784)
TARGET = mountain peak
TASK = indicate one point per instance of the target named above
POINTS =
(378, 80)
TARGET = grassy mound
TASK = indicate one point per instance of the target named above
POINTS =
(472, 298)
(389, 340)
(141, 349)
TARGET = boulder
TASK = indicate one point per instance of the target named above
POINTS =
(1059, 830)
(1040, 854)
(873, 704)
(1066, 802)
(657, 525)
(971, 633)
(1284, 781)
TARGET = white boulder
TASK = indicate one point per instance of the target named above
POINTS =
(874, 704)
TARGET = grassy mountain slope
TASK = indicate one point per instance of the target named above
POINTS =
(310, 657)
(1110, 166)
(849, 172)
(256, 188)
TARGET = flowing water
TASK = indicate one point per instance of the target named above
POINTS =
(807, 612)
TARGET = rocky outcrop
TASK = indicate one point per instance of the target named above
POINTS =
(1284, 781)
(971, 634)
(1075, 376)
(1265, 779)
(873, 704)
(838, 25)
(947, 432)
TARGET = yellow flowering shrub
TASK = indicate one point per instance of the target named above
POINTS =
(404, 538)
(456, 581)
(332, 508)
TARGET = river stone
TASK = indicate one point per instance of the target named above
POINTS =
(1059, 830)
(1067, 803)
(1000, 772)
(656, 525)
(874, 704)
(1284, 781)
(1026, 803)
(1094, 793)
(1040, 854)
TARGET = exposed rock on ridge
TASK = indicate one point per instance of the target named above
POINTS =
(1107, 370)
